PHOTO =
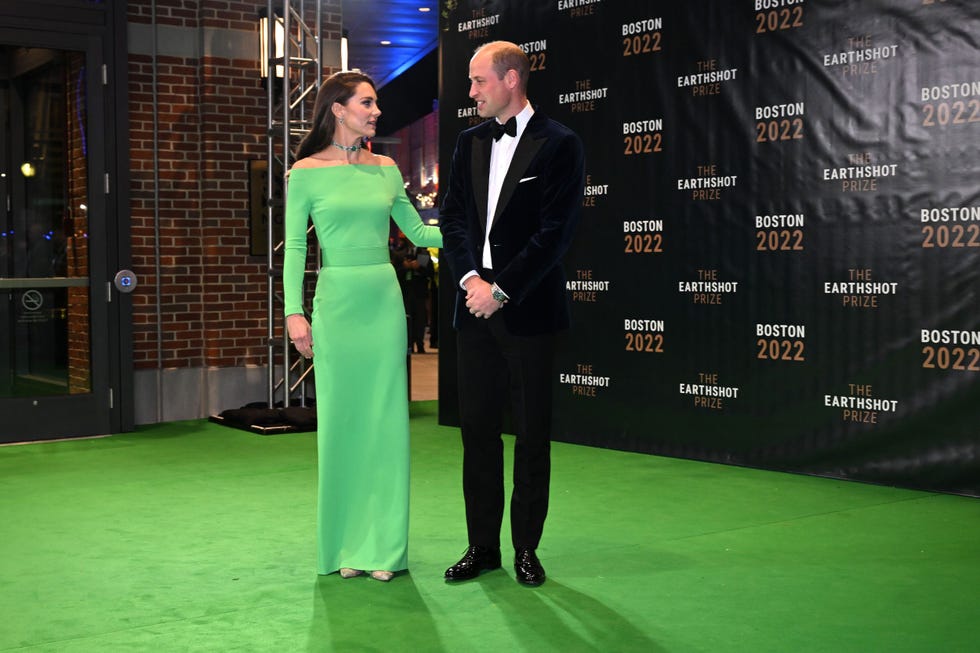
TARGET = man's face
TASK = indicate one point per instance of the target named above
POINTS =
(492, 95)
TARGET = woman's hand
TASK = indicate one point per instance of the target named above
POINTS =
(300, 334)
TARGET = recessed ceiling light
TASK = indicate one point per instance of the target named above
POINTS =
(386, 43)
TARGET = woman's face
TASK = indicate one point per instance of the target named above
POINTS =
(361, 111)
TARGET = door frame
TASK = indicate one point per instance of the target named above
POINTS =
(99, 30)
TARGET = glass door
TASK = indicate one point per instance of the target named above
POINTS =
(53, 290)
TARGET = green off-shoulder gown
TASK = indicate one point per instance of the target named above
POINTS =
(359, 348)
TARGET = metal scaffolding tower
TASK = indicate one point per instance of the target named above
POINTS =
(293, 57)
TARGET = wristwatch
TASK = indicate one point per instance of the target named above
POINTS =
(498, 294)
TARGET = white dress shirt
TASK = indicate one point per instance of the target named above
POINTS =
(501, 154)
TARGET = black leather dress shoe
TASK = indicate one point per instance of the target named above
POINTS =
(475, 560)
(528, 567)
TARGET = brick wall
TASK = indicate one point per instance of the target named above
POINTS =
(212, 114)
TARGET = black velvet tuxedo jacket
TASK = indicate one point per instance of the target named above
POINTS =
(539, 205)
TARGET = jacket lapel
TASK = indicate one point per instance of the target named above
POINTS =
(527, 148)
(480, 170)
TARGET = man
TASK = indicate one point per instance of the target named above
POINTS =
(513, 199)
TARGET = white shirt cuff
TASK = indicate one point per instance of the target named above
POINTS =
(462, 282)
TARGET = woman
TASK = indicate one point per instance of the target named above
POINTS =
(358, 335)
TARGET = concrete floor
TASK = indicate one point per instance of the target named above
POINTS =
(425, 375)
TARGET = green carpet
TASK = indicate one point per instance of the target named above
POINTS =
(191, 536)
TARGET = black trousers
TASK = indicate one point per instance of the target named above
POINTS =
(497, 368)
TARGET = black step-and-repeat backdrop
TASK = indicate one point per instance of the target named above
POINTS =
(779, 260)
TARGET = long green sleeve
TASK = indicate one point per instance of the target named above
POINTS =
(298, 203)
(408, 219)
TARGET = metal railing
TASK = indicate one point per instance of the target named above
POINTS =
(288, 117)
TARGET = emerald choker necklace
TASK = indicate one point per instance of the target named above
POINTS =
(347, 148)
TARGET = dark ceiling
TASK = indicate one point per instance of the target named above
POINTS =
(412, 34)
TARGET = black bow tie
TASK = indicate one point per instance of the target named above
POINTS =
(509, 128)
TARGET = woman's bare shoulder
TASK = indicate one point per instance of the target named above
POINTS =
(379, 160)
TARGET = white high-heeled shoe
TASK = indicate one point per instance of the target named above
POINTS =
(347, 572)
(383, 576)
